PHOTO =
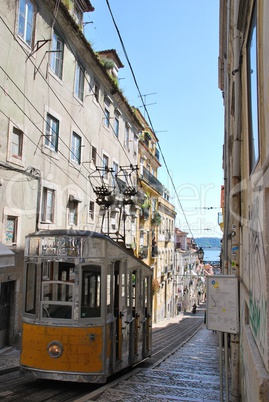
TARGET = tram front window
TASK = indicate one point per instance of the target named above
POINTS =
(30, 288)
(91, 291)
(57, 296)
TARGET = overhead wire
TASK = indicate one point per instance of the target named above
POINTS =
(91, 88)
(146, 110)
(33, 142)
(62, 104)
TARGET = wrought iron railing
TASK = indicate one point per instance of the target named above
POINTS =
(152, 181)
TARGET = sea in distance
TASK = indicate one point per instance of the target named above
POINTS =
(212, 254)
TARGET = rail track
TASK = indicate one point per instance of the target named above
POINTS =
(15, 386)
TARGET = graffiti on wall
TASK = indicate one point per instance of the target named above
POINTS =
(257, 293)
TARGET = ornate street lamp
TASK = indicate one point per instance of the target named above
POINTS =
(200, 254)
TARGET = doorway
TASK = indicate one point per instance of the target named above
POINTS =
(6, 289)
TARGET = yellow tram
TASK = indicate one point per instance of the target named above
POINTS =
(86, 306)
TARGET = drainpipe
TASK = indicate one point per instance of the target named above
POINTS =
(226, 156)
(236, 198)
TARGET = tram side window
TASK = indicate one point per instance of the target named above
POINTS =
(30, 288)
(91, 291)
(57, 296)
(134, 284)
(109, 290)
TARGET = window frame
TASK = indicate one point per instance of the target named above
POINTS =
(93, 154)
(116, 123)
(19, 135)
(105, 163)
(91, 301)
(56, 62)
(73, 212)
(115, 170)
(76, 145)
(253, 93)
(14, 230)
(79, 81)
(78, 14)
(127, 136)
(107, 117)
(50, 132)
(96, 92)
(30, 288)
(47, 217)
(24, 32)
(91, 209)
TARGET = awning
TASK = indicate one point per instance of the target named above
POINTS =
(7, 257)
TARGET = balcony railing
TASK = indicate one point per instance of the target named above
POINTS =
(152, 181)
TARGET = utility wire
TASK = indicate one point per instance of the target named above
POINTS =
(148, 116)
(62, 104)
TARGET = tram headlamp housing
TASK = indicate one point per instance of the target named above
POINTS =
(55, 349)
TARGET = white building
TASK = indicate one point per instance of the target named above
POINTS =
(63, 119)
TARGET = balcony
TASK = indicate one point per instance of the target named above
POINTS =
(152, 181)
(144, 213)
(143, 252)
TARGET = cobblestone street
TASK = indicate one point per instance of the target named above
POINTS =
(191, 374)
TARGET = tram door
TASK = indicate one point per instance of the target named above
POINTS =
(146, 316)
(120, 312)
(5, 300)
(133, 317)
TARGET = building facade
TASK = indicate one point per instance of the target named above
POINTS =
(243, 80)
(66, 130)
(74, 154)
(155, 224)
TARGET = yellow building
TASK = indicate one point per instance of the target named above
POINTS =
(155, 228)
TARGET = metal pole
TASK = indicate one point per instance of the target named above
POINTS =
(220, 366)
(226, 365)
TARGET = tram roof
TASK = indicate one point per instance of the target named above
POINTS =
(68, 232)
(82, 233)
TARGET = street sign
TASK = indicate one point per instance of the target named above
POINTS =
(222, 303)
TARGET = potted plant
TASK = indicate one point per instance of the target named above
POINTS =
(155, 286)
(145, 207)
(156, 219)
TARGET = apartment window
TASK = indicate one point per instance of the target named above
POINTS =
(16, 142)
(115, 168)
(91, 210)
(79, 82)
(126, 137)
(52, 132)
(56, 61)
(78, 15)
(76, 148)
(94, 153)
(47, 214)
(96, 92)
(26, 21)
(253, 94)
(73, 212)
(11, 230)
(116, 124)
(105, 165)
(107, 116)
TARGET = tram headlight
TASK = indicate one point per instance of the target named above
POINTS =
(55, 349)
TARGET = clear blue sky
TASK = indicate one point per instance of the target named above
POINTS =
(173, 50)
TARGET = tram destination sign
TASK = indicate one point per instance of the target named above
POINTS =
(222, 303)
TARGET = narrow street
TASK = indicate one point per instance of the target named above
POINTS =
(190, 373)
(184, 364)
